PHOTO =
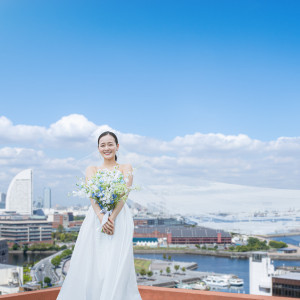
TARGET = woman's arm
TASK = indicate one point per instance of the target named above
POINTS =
(90, 172)
(129, 177)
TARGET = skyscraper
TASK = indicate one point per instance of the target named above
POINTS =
(2, 200)
(47, 197)
(19, 193)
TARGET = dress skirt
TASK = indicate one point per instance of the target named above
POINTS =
(102, 266)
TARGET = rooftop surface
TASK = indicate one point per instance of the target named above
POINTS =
(183, 231)
(150, 293)
(6, 266)
(291, 275)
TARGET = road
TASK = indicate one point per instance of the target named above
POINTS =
(44, 268)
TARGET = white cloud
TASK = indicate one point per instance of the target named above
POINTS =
(10, 133)
(183, 161)
(73, 129)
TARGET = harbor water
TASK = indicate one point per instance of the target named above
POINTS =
(238, 267)
(293, 239)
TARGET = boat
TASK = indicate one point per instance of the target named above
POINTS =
(200, 285)
(217, 281)
(235, 281)
(183, 286)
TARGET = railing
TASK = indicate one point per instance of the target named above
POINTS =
(150, 293)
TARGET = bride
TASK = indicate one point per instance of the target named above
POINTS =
(102, 264)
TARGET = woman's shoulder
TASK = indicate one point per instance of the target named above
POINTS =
(125, 167)
(91, 170)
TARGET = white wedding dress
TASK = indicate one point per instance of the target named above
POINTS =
(102, 266)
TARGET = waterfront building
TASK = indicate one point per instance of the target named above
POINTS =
(3, 251)
(16, 230)
(19, 193)
(287, 250)
(47, 198)
(261, 271)
(287, 285)
(184, 234)
(11, 278)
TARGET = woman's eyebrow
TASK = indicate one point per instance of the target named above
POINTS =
(103, 143)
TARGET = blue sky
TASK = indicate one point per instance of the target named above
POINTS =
(155, 68)
(200, 93)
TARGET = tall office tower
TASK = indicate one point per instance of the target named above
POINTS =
(2, 197)
(19, 193)
(47, 198)
(2, 200)
(40, 202)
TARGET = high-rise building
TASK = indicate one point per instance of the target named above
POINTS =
(39, 203)
(2, 200)
(19, 193)
(47, 198)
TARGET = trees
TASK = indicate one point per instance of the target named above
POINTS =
(161, 271)
(143, 272)
(176, 267)
(277, 244)
(62, 237)
(26, 274)
(164, 256)
(169, 257)
(66, 253)
(76, 218)
(150, 273)
(55, 261)
(16, 246)
(183, 269)
(254, 244)
(25, 248)
(47, 280)
(168, 270)
(60, 228)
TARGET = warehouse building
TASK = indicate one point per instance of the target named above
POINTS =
(184, 234)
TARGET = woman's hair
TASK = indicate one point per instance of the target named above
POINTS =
(108, 133)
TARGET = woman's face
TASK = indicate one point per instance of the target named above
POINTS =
(108, 147)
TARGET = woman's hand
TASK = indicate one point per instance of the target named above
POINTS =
(109, 226)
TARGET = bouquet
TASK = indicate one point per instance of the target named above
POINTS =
(107, 188)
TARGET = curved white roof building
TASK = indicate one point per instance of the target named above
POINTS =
(19, 193)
